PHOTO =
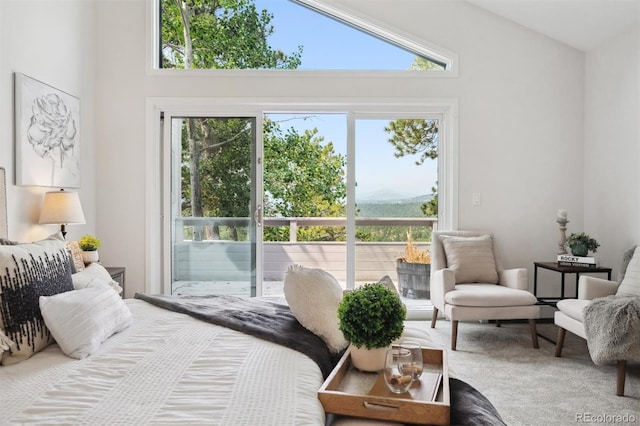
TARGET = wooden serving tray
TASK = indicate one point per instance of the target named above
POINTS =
(426, 403)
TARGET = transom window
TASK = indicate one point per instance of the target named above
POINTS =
(282, 34)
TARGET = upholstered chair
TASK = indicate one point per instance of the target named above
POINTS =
(467, 284)
(571, 314)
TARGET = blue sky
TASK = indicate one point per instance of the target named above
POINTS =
(329, 44)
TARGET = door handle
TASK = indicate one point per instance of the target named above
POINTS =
(258, 215)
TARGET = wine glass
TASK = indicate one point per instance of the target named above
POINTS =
(416, 352)
(398, 371)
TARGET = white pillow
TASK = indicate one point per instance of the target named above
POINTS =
(92, 272)
(313, 296)
(80, 320)
(630, 284)
(471, 258)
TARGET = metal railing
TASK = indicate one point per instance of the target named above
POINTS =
(298, 222)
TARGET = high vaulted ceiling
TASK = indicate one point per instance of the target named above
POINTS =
(583, 24)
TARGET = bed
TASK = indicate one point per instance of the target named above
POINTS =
(166, 368)
(74, 352)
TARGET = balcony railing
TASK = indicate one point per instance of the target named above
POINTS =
(228, 260)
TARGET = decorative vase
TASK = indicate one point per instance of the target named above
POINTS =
(370, 360)
(90, 256)
(579, 250)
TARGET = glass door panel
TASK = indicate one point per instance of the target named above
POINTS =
(395, 195)
(213, 193)
(304, 194)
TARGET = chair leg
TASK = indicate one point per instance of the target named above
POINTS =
(454, 334)
(560, 341)
(434, 317)
(534, 333)
(497, 323)
(620, 377)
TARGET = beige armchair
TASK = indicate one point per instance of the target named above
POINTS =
(467, 284)
(571, 312)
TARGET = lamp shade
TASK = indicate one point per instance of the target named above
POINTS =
(62, 208)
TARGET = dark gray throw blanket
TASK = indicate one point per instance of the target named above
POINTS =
(471, 408)
(266, 320)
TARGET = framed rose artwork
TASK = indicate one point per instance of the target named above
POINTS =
(47, 131)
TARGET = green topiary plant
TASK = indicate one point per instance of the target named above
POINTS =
(89, 243)
(371, 316)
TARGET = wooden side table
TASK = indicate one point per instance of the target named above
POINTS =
(563, 270)
(117, 274)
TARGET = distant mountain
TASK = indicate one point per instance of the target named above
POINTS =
(389, 196)
(408, 207)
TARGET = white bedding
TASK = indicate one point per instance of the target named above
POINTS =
(166, 368)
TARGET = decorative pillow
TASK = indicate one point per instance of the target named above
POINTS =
(471, 258)
(630, 284)
(28, 271)
(94, 271)
(76, 255)
(81, 320)
(626, 258)
(313, 296)
(388, 282)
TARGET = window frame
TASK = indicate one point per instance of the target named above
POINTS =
(350, 17)
(447, 150)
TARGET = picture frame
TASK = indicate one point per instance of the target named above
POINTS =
(47, 135)
(76, 255)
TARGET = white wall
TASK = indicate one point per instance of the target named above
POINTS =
(52, 42)
(521, 121)
(521, 114)
(612, 145)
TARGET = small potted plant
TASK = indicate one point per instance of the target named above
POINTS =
(581, 244)
(89, 245)
(371, 318)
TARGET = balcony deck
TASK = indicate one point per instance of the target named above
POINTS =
(220, 266)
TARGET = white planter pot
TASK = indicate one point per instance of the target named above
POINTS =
(90, 256)
(371, 360)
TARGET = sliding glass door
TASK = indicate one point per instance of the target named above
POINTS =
(214, 213)
(336, 193)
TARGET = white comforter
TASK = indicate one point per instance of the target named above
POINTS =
(167, 368)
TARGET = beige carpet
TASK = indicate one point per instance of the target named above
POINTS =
(531, 386)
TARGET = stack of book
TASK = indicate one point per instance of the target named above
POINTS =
(570, 260)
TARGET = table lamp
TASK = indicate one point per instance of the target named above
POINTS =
(62, 208)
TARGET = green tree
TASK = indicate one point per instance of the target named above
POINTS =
(220, 34)
(305, 178)
(217, 34)
(430, 208)
(414, 137)
(421, 63)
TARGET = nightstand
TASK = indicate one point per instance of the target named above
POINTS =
(563, 270)
(117, 274)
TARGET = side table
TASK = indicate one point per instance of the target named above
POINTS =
(563, 270)
(117, 274)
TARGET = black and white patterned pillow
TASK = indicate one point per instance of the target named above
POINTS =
(28, 271)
